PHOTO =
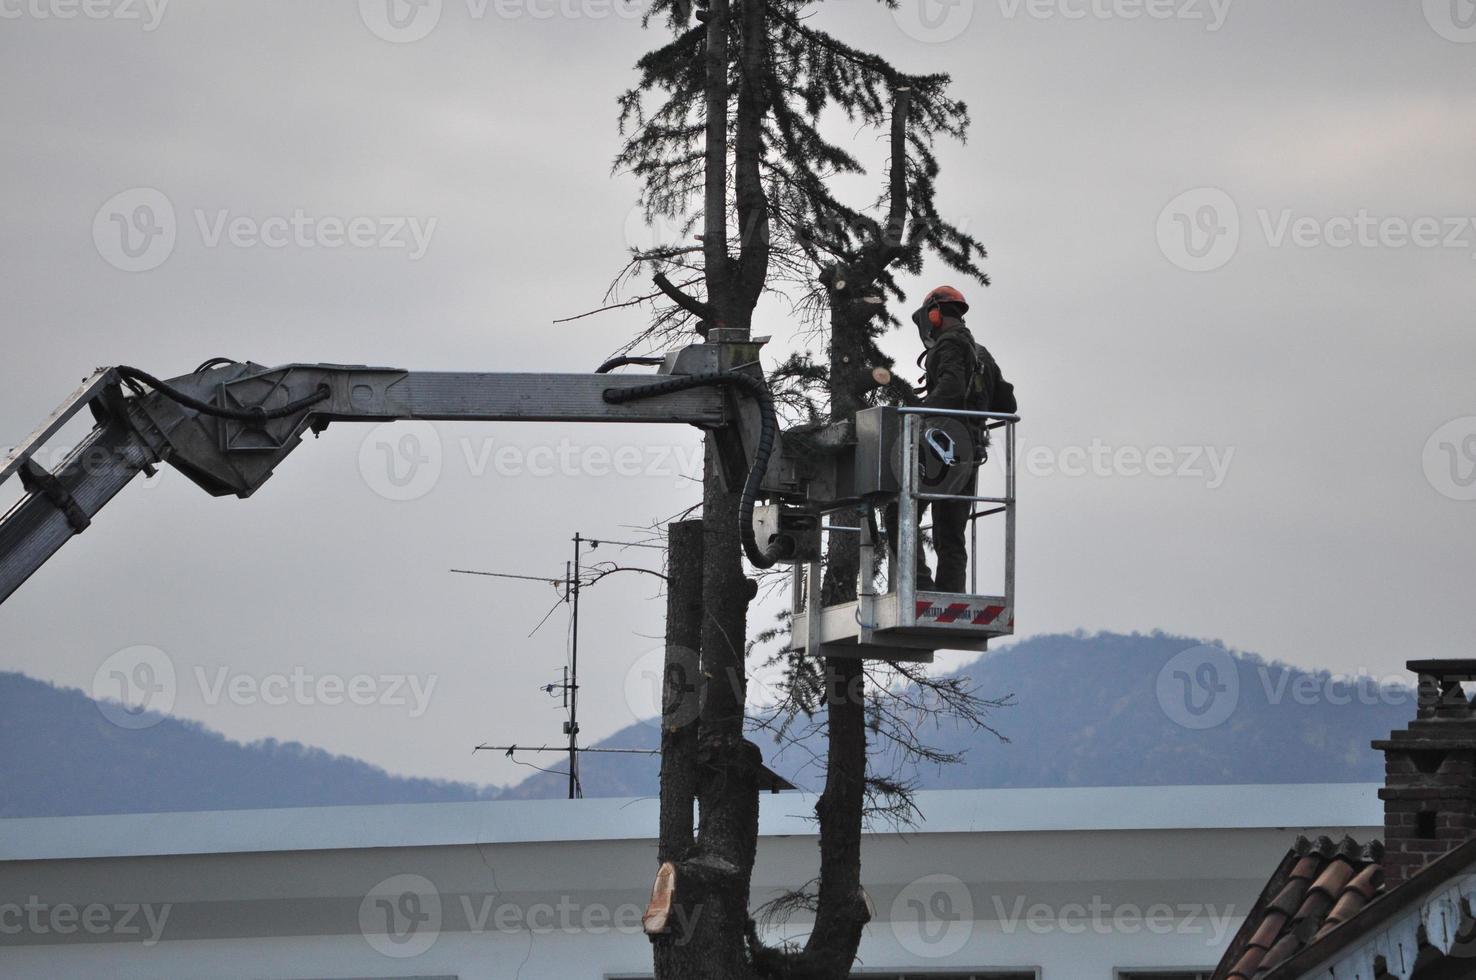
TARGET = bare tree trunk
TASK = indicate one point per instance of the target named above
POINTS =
(715, 175)
(728, 785)
(841, 911)
(681, 694)
(717, 875)
(676, 955)
(710, 919)
(715, 871)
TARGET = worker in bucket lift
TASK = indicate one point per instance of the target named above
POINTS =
(960, 374)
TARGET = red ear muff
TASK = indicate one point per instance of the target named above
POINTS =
(935, 316)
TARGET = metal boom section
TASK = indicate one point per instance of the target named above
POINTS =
(228, 426)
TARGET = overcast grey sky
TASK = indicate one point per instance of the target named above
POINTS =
(1237, 237)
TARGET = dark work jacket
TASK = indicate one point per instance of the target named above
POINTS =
(951, 364)
(950, 369)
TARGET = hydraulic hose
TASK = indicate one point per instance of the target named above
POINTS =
(768, 432)
(625, 359)
(256, 414)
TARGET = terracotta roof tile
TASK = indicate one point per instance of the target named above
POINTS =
(1318, 887)
(1308, 867)
(1335, 877)
(1360, 891)
(1289, 899)
(1284, 949)
(1270, 929)
(1246, 968)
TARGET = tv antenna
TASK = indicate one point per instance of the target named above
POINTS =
(573, 584)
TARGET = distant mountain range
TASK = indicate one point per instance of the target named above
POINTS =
(1087, 710)
(59, 756)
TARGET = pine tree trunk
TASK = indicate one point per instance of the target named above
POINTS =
(714, 870)
(728, 783)
(841, 912)
(718, 872)
(676, 955)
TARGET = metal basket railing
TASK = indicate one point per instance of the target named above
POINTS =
(908, 538)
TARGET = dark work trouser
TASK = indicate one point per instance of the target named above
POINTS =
(950, 528)
(950, 533)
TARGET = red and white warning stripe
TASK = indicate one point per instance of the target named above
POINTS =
(957, 613)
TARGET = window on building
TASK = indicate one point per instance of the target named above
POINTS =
(984, 975)
(1164, 974)
(976, 975)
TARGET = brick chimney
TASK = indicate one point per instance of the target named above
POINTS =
(1429, 789)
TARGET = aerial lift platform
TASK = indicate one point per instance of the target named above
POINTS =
(906, 458)
(227, 425)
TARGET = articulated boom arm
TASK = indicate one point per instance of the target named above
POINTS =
(228, 425)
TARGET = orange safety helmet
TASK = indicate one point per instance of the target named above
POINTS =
(933, 304)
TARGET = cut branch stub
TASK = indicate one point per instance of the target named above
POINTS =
(657, 920)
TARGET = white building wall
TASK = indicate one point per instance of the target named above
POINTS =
(1074, 884)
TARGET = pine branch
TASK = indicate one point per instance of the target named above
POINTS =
(702, 311)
